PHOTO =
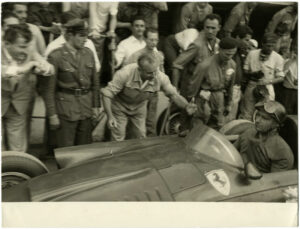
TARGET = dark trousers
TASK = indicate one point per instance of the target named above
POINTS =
(151, 116)
(73, 133)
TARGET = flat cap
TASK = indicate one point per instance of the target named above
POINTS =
(76, 25)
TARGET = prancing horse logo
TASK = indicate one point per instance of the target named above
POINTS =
(219, 180)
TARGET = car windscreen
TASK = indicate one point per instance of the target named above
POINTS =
(204, 140)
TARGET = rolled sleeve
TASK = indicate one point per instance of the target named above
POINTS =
(114, 8)
(185, 57)
(117, 84)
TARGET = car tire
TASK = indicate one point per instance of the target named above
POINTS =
(18, 167)
(236, 127)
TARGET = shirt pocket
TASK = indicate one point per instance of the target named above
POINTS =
(89, 69)
(65, 72)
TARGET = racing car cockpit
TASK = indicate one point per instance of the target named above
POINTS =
(204, 140)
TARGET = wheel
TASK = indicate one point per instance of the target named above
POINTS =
(173, 124)
(236, 127)
(18, 167)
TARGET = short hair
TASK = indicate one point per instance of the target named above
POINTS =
(146, 57)
(6, 15)
(150, 30)
(16, 31)
(136, 18)
(213, 17)
(10, 5)
(67, 16)
(242, 31)
(269, 37)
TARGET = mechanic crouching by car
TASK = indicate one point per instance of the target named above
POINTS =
(125, 98)
(261, 147)
(72, 95)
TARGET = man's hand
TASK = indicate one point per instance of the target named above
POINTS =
(112, 123)
(55, 29)
(27, 67)
(191, 108)
(54, 122)
(94, 34)
(111, 34)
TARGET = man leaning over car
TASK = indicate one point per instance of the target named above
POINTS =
(125, 98)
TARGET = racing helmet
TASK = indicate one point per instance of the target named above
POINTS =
(273, 108)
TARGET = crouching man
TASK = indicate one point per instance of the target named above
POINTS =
(262, 147)
(125, 98)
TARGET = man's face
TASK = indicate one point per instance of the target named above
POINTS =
(78, 40)
(246, 39)
(152, 40)
(268, 47)
(264, 122)
(9, 21)
(227, 54)
(21, 12)
(211, 28)
(148, 71)
(138, 28)
(19, 49)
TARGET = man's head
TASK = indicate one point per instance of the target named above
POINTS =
(16, 39)
(270, 115)
(152, 38)
(76, 33)
(243, 33)
(148, 66)
(228, 47)
(8, 19)
(212, 25)
(20, 10)
(138, 27)
(268, 43)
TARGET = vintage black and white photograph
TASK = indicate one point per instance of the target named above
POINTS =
(127, 102)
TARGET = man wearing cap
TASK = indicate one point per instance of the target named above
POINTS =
(262, 67)
(261, 147)
(72, 95)
(212, 85)
(125, 97)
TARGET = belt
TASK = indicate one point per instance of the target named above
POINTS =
(75, 91)
(214, 90)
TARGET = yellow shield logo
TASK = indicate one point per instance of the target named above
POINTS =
(219, 180)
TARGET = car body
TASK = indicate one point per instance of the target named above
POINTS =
(203, 166)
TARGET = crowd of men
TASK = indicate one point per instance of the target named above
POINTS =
(212, 70)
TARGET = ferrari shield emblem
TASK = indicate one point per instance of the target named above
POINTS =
(219, 180)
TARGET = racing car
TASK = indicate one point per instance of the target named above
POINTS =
(203, 166)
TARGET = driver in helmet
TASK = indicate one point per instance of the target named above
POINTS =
(261, 147)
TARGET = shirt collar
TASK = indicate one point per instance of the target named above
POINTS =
(135, 39)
